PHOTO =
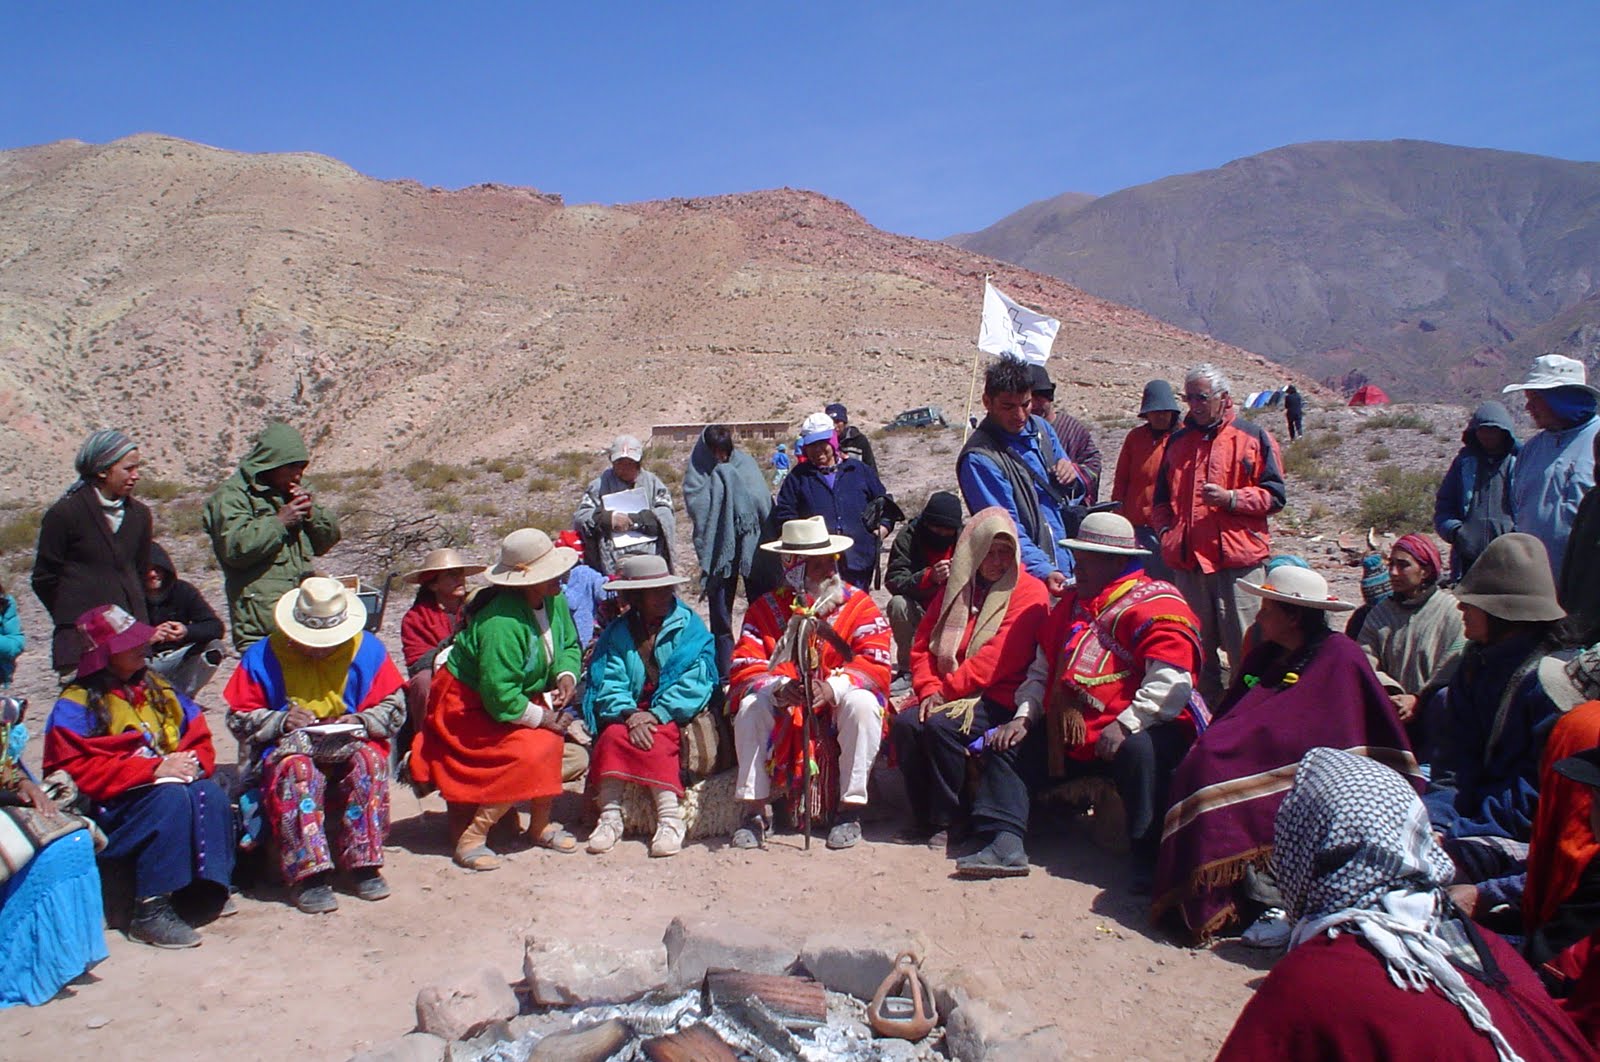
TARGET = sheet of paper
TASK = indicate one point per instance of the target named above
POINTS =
(630, 501)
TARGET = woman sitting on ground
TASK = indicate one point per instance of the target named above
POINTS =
(141, 752)
(654, 669)
(430, 623)
(51, 917)
(1381, 963)
(314, 705)
(492, 735)
(1303, 687)
(970, 653)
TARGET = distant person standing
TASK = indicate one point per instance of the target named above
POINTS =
(842, 491)
(1556, 466)
(1294, 412)
(94, 544)
(1219, 481)
(1076, 441)
(609, 535)
(265, 529)
(780, 465)
(853, 442)
(1472, 507)
(1133, 486)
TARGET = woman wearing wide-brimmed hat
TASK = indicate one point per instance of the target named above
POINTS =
(1303, 687)
(314, 705)
(492, 735)
(429, 624)
(653, 670)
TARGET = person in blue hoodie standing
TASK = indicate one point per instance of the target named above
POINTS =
(839, 489)
(1472, 507)
(1556, 466)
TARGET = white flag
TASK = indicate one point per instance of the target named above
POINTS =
(1010, 328)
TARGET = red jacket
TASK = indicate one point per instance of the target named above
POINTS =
(424, 626)
(1134, 484)
(1237, 455)
(997, 669)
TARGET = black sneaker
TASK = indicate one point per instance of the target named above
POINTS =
(368, 884)
(315, 896)
(156, 923)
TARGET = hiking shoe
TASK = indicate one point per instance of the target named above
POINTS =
(315, 896)
(156, 923)
(369, 884)
(1002, 857)
(1271, 930)
(751, 834)
(846, 830)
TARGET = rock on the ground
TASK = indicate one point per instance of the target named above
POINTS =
(463, 1002)
(980, 1030)
(582, 1045)
(697, 944)
(563, 973)
(857, 962)
(412, 1047)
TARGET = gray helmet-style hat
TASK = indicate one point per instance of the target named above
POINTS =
(1511, 581)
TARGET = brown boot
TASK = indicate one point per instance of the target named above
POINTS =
(471, 850)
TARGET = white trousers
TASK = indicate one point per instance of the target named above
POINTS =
(860, 722)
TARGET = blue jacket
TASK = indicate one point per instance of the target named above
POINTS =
(1485, 789)
(983, 484)
(1554, 471)
(12, 640)
(1472, 507)
(584, 589)
(844, 506)
(686, 654)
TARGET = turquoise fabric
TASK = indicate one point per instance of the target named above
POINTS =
(686, 654)
(51, 922)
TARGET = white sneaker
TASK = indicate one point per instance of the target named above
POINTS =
(605, 835)
(668, 839)
(1271, 930)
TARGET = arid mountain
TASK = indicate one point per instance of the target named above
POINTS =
(186, 293)
(1427, 267)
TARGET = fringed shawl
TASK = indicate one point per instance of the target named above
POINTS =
(963, 586)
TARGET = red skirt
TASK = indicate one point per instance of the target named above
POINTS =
(657, 767)
(474, 758)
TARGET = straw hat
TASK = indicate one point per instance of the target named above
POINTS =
(1511, 581)
(106, 630)
(808, 538)
(1571, 678)
(1553, 370)
(442, 560)
(643, 571)
(320, 613)
(1106, 533)
(528, 557)
(1298, 586)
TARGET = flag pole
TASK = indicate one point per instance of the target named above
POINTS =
(972, 384)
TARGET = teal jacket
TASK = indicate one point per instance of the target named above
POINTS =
(686, 654)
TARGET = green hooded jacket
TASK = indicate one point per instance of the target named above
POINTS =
(262, 559)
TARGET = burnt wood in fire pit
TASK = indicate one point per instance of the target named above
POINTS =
(798, 1002)
(697, 1043)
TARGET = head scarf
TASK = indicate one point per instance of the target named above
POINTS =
(98, 453)
(1425, 552)
(961, 588)
(1573, 405)
(1354, 853)
(1562, 844)
(1286, 560)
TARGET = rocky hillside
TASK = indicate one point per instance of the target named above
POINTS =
(1436, 271)
(187, 293)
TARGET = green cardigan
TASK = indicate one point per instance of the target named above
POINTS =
(502, 657)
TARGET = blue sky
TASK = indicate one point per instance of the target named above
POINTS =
(929, 118)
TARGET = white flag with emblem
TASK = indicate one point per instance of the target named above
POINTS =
(1011, 328)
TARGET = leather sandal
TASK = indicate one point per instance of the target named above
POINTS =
(556, 839)
(478, 858)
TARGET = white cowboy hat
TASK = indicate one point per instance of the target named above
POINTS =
(815, 428)
(528, 557)
(442, 560)
(1106, 533)
(808, 538)
(320, 613)
(643, 571)
(1297, 586)
(1553, 370)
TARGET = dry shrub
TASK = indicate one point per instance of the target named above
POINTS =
(1397, 419)
(1402, 502)
(19, 530)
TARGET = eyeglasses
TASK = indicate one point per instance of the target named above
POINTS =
(1195, 396)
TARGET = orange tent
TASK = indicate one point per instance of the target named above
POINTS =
(1369, 395)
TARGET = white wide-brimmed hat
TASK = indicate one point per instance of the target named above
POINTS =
(1551, 371)
(1571, 678)
(625, 446)
(815, 428)
(1106, 533)
(643, 571)
(320, 613)
(528, 557)
(808, 538)
(442, 560)
(1297, 586)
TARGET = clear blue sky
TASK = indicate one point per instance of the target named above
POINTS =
(929, 118)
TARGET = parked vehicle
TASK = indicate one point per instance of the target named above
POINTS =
(921, 417)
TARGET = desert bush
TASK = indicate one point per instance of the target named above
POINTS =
(1377, 452)
(1402, 502)
(180, 519)
(547, 520)
(1397, 419)
(571, 464)
(428, 475)
(19, 530)
(442, 502)
(542, 484)
(160, 490)
(1302, 459)
(509, 471)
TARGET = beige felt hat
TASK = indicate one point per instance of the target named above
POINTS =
(1553, 370)
(528, 557)
(320, 613)
(1106, 533)
(1297, 586)
(643, 571)
(442, 560)
(808, 538)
